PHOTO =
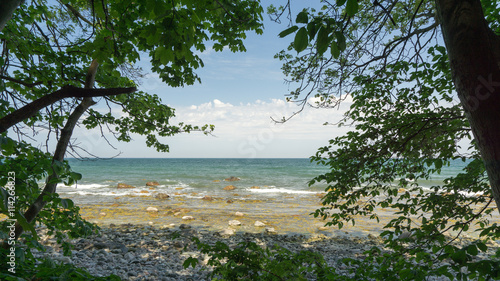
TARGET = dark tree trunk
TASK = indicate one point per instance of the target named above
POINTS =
(7, 8)
(473, 50)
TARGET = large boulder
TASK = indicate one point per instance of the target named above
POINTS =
(124, 185)
(232, 179)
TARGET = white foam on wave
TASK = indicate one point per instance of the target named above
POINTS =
(280, 190)
(83, 186)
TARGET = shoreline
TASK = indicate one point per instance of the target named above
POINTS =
(288, 215)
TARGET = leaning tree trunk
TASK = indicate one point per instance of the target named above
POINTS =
(62, 145)
(473, 51)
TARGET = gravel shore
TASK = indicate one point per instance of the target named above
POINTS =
(135, 252)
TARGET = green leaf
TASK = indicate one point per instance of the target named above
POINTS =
(334, 49)
(340, 2)
(67, 203)
(341, 42)
(25, 224)
(311, 29)
(288, 31)
(482, 246)
(76, 176)
(472, 250)
(302, 17)
(351, 7)
(301, 40)
(322, 41)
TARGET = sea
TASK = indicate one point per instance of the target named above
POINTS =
(198, 177)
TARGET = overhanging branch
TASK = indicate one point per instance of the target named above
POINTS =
(65, 92)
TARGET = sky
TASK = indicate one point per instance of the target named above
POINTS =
(239, 94)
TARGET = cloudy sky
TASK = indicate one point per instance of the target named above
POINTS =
(239, 94)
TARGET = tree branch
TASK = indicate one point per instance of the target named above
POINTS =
(65, 92)
(62, 145)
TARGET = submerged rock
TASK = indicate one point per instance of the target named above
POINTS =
(232, 179)
(271, 230)
(187, 218)
(162, 196)
(259, 224)
(207, 197)
(234, 223)
(230, 187)
(239, 214)
(124, 185)
(152, 183)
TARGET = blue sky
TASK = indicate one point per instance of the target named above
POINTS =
(239, 93)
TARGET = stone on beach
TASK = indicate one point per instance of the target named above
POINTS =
(152, 183)
(230, 187)
(232, 179)
(152, 210)
(259, 224)
(124, 185)
(227, 232)
(234, 223)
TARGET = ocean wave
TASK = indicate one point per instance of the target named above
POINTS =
(280, 190)
(83, 186)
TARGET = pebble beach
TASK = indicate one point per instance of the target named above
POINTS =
(146, 238)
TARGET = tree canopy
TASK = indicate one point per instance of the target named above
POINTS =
(60, 58)
(403, 64)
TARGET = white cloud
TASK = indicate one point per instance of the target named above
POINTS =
(241, 131)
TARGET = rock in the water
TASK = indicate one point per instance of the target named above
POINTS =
(232, 179)
(230, 187)
(322, 228)
(216, 181)
(255, 187)
(187, 218)
(152, 210)
(152, 183)
(239, 214)
(270, 230)
(229, 201)
(208, 198)
(234, 223)
(162, 196)
(259, 224)
(124, 185)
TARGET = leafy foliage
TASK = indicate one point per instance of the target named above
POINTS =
(249, 261)
(49, 45)
(405, 125)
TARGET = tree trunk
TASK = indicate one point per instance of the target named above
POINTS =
(7, 8)
(473, 51)
(62, 145)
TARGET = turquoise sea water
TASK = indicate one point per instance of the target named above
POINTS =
(198, 177)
